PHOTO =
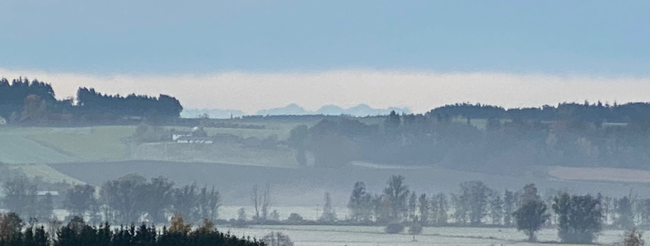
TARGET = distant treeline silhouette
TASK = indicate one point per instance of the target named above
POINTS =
(595, 112)
(27, 102)
(578, 218)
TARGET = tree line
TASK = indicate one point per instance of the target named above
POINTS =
(14, 232)
(578, 218)
(28, 102)
(126, 200)
(589, 112)
(496, 145)
(134, 199)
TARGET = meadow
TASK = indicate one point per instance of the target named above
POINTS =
(32, 148)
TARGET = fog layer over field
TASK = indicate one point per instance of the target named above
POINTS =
(306, 186)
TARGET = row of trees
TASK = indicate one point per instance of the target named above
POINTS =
(24, 101)
(13, 232)
(21, 197)
(475, 204)
(129, 199)
(577, 218)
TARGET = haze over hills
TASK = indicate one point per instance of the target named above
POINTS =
(359, 110)
(212, 113)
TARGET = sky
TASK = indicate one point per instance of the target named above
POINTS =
(251, 55)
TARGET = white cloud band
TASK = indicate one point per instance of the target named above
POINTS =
(418, 90)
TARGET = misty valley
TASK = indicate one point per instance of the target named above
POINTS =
(105, 169)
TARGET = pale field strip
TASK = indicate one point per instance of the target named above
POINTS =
(601, 174)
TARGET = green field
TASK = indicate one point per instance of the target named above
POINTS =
(54, 145)
(45, 145)
(217, 153)
(88, 143)
(17, 147)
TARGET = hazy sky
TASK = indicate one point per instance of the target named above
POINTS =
(259, 54)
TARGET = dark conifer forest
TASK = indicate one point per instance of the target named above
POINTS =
(33, 102)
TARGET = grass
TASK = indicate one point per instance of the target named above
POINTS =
(281, 129)
(88, 143)
(54, 145)
(47, 173)
(105, 143)
(16, 148)
(219, 153)
(242, 132)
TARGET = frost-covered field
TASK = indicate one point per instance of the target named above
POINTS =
(374, 236)
(370, 235)
(308, 213)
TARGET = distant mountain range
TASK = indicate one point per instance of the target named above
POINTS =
(295, 109)
(359, 110)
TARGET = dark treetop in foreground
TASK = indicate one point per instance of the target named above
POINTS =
(78, 233)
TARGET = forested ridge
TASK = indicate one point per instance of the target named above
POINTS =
(486, 138)
(587, 112)
(33, 102)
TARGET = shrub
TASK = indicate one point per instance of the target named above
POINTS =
(415, 229)
(394, 228)
(294, 217)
